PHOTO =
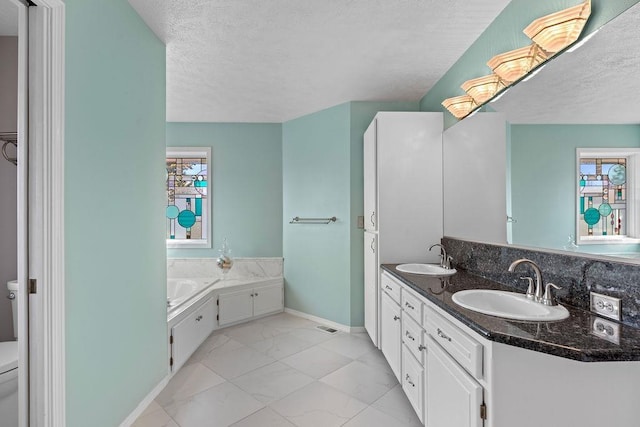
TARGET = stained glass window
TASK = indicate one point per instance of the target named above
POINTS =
(603, 196)
(188, 184)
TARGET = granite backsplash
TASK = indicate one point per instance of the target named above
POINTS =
(577, 275)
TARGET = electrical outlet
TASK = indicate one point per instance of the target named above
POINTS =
(606, 306)
(605, 329)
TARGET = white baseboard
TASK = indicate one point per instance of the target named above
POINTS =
(133, 416)
(335, 325)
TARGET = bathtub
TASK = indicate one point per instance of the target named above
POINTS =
(180, 291)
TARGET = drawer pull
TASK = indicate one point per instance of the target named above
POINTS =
(409, 305)
(388, 287)
(408, 379)
(396, 318)
(422, 347)
(443, 335)
(409, 335)
(199, 318)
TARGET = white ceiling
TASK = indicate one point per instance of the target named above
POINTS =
(599, 83)
(8, 18)
(272, 61)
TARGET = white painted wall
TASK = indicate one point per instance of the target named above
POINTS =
(8, 177)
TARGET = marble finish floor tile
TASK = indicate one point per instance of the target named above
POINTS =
(157, 418)
(189, 380)
(282, 371)
(364, 382)
(232, 364)
(221, 405)
(281, 345)
(371, 417)
(350, 345)
(318, 405)
(264, 418)
(272, 382)
(253, 332)
(396, 404)
(317, 361)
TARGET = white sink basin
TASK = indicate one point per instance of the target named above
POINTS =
(428, 269)
(509, 305)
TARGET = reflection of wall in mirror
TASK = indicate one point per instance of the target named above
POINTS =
(543, 163)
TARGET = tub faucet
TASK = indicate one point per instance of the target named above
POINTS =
(537, 296)
(445, 260)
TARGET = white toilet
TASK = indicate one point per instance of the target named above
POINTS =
(9, 368)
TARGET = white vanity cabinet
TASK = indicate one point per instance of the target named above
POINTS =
(402, 167)
(187, 335)
(454, 397)
(390, 330)
(239, 305)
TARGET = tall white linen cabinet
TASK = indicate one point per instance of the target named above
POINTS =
(402, 198)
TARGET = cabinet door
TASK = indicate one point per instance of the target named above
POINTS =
(235, 306)
(370, 178)
(267, 300)
(453, 397)
(371, 286)
(413, 381)
(190, 332)
(390, 333)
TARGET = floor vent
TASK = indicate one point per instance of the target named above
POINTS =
(327, 329)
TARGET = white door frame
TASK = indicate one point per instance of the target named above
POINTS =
(46, 214)
(22, 211)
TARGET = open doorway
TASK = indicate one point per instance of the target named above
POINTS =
(14, 393)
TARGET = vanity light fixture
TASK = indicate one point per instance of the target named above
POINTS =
(484, 88)
(513, 65)
(550, 34)
(459, 106)
(558, 30)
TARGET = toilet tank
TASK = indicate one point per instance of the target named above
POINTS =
(12, 286)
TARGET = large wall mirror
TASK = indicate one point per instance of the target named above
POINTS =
(583, 99)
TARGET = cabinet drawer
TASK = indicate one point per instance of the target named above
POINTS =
(413, 338)
(391, 287)
(412, 306)
(413, 382)
(464, 349)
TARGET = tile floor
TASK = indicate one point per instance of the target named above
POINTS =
(282, 371)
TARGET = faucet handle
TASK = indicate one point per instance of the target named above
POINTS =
(549, 298)
(530, 291)
(447, 263)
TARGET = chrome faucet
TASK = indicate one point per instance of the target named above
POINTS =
(445, 260)
(537, 295)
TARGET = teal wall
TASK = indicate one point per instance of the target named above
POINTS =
(505, 34)
(322, 177)
(543, 178)
(246, 185)
(116, 330)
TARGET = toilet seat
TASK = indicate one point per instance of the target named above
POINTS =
(8, 356)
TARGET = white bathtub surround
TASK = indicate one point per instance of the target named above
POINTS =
(243, 268)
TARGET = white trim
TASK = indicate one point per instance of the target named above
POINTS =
(46, 224)
(335, 325)
(133, 416)
(23, 212)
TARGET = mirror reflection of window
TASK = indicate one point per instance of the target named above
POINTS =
(606, 203)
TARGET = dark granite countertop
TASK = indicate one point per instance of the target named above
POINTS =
(570, 338)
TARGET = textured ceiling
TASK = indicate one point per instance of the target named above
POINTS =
(8, 18)
(271, 61)
(598, 83)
